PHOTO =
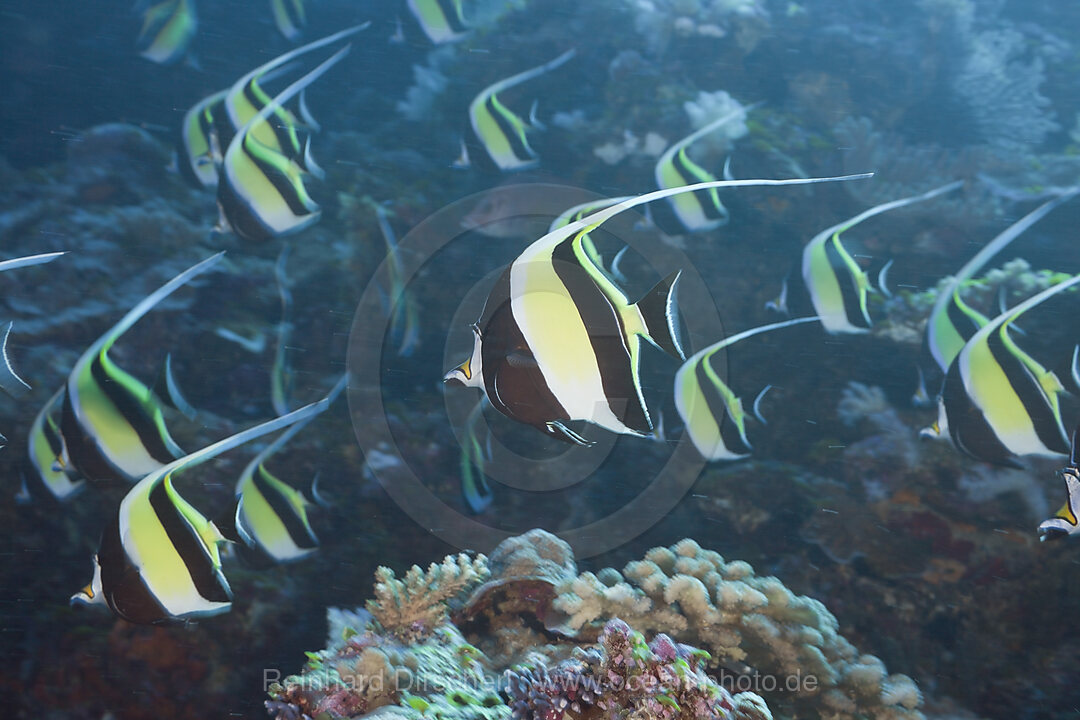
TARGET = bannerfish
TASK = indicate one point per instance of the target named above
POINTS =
(1064, 522)
(836, 284)
(711, 412)
(998, 402)
(159, 558)
(441, 20)
(10, 382)
(199, 147)
(269, 520)
(112, 424)
(261, 192)
(290, 16)
(475, 490)
(167, 30)
(47, 466)
(690, 212)
(400, 303)
(281, 132)
(557, 341)
(953, 322)
(496, 138)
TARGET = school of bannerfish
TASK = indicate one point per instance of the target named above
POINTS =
(557, 344)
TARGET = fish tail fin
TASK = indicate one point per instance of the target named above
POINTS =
(659, 311)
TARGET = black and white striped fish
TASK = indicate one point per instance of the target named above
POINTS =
(261, 190)
(159, 559)
(998, 402)
(441, 20)
(558, 341)
(496, 138)
(711, 412)
(112, 424)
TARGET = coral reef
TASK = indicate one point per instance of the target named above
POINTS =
(413, 607)
(676, 595)
(695, 596)
(623, 676)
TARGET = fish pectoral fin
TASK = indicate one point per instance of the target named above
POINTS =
(659, 312)
(521, 360)
(556, 429)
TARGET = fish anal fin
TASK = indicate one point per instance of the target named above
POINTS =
(659, 312)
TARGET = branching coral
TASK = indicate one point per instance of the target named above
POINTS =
(411, 608)
(697, 597)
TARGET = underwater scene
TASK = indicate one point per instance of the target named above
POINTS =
(540, 359)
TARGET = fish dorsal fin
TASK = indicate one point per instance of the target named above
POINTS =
(146, 305)
(29, 260)
(526, 75)
(263, 70)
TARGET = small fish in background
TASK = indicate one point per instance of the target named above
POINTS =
(159, 558)
(10, 382)
(495, 137)
(290, 16)
(953, 322)
(998, 402)
(1065, 522)
(167, 29)
(475, 490)
(399, 302)
(557, 341)
(261, 192)
(269, 521)
(112, 424)
(690, 212)
(47, 467)
(441, 20)
(711, 412)
(837, 286)
(198, 151)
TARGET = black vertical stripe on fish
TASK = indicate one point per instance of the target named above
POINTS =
(506, 127)
(82, 448)
(515, 389)
(134, 412)
(964, 325)
(849, 290)
(188, 545)
(1026, 386)
(223, 126)
(663, 215)
(607, 336)
(703, 197)
(970, 431)
(277, 125)
(298, 532)
(281, 183)
(125, 592)
(714, 400)
(450, 14)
